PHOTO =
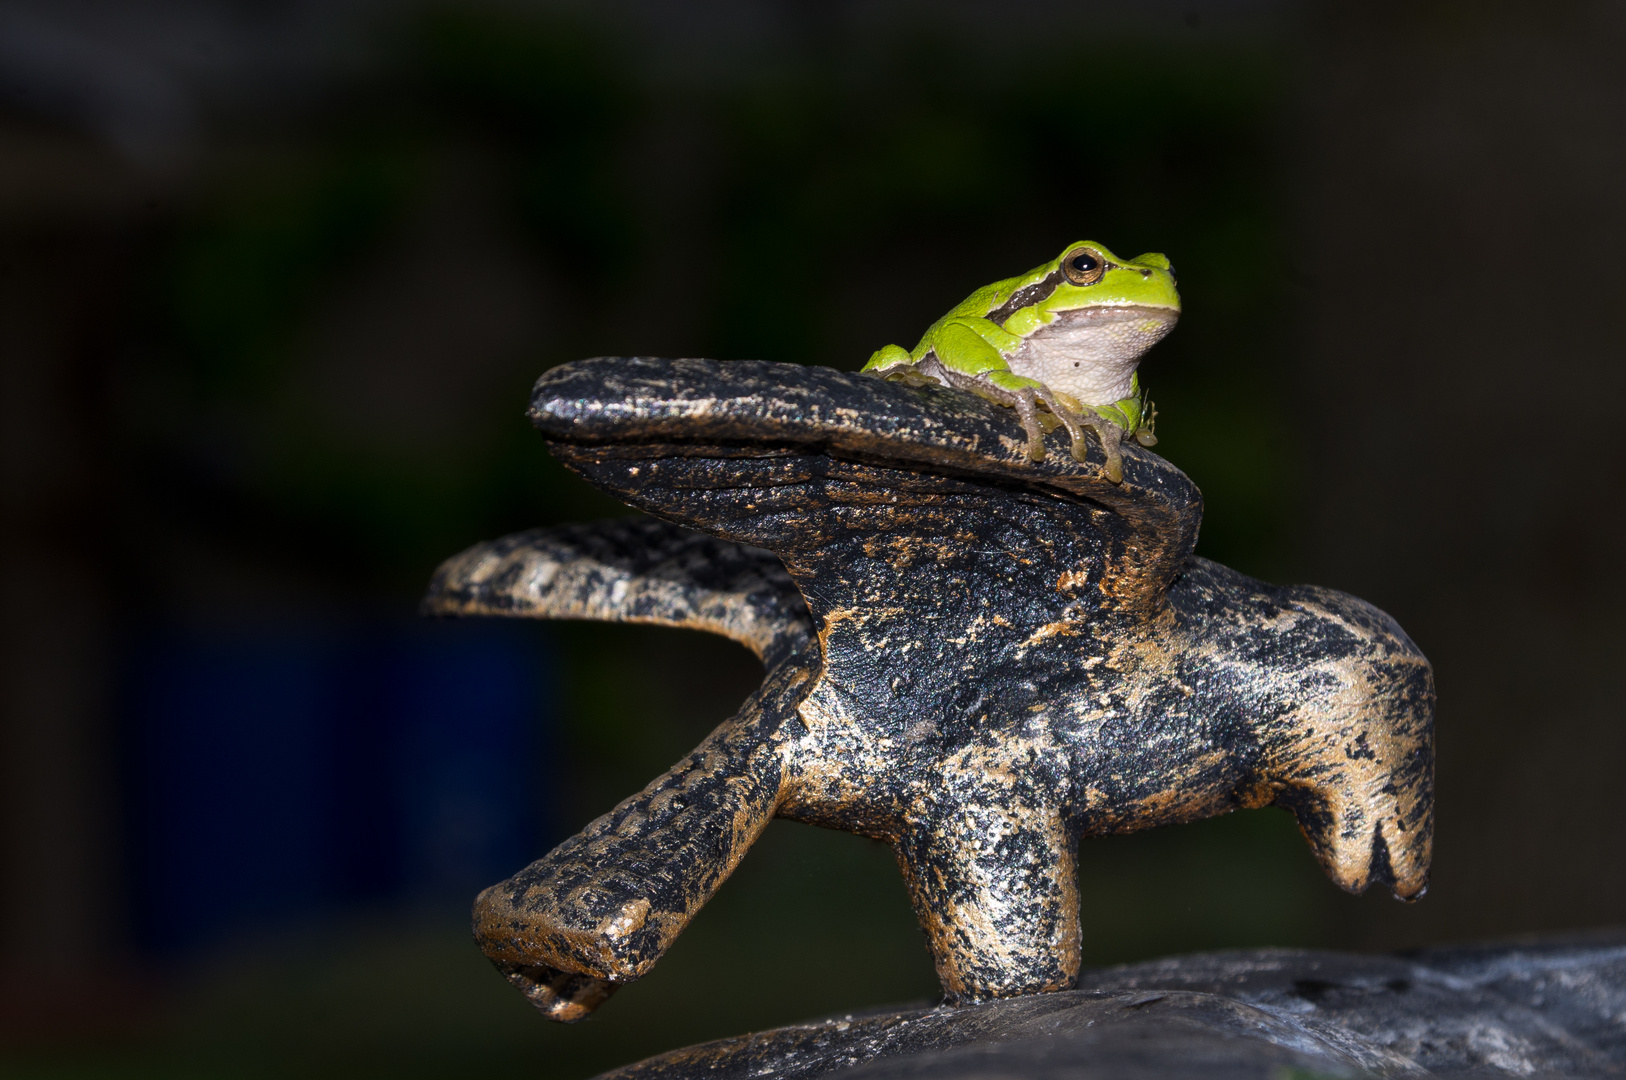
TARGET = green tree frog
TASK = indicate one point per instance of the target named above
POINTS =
(1067, 335)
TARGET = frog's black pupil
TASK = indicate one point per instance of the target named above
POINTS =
(1084, 263)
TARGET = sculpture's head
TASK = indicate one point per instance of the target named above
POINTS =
(1355, 760)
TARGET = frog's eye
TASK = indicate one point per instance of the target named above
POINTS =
(1082, 267)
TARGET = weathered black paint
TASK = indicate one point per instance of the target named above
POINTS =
(1005, 655)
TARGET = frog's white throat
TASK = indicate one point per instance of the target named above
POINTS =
(1091, 354)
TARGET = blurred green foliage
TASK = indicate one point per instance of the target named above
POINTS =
(810, 213)
(809, 210)
(560, 101)
(244, 269)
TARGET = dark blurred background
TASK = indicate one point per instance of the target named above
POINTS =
(275, 279)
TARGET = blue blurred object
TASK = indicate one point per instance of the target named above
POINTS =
(276, 775)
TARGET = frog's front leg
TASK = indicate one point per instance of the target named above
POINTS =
(966, 354)
(972, 356)
(1003, 388)
(1023, 394)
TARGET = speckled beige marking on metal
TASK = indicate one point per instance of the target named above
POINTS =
(972, 656)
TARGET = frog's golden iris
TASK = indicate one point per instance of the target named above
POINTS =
(1082, 268)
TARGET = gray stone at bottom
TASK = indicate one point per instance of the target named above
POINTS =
(1548, 1007)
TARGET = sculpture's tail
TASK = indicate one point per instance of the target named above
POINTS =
(602, 907)
(629, 570)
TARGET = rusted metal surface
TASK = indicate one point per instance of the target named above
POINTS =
(1532, 1008)
(973, 656)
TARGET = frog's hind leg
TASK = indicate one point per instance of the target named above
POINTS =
(1024, 399)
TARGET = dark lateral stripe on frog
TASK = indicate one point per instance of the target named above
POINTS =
(1026, 295)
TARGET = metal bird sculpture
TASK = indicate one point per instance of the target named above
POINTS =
(973, 656)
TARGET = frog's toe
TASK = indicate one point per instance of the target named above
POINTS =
(1075, 422)
(1029, 415)
(1081, 449)
(1112, 438)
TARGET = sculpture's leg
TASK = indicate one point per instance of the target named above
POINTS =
(602, 907)
(564, 996)
(995, 887)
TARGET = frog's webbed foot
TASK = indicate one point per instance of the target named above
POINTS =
(1025, 400)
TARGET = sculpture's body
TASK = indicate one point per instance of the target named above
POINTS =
(995, 657)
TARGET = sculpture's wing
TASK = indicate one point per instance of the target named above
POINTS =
(629, 570)
(821, 466)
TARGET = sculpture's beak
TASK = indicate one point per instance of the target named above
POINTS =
(1370, 818)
